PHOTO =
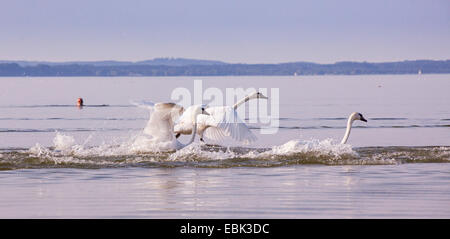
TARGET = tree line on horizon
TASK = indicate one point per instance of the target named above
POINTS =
(298, 68)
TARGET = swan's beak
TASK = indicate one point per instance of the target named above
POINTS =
(363, 119)
(261, 96)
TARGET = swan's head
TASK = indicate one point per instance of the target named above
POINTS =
(197, 110)
(203, 111)
(258, 95)
(354, 116)
(357, 116)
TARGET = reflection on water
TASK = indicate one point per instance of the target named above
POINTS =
(400, 191)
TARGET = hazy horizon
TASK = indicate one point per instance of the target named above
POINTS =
(219, 60)
(248, 32)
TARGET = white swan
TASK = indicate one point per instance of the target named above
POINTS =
(222, 121)
(354, 116)
(161, 122)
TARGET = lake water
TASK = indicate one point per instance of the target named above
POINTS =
(58, 161)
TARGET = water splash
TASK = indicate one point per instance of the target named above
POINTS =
(63, 142)
(140, 151)
(321, 147)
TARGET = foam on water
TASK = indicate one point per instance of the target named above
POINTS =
(196, 151)
(142, 151)
(321, 147)
(65, 145)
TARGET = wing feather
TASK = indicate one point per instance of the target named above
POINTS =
(227, 120)
(162, 117)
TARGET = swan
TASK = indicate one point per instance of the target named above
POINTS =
(354, 116)
(222, 121)
(162, 118)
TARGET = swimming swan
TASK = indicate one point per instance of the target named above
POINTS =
(222, 121)
(162, 118)
(354, 116)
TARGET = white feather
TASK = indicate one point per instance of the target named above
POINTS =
(224, 121)
(161, 123)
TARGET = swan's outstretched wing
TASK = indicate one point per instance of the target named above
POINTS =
(172, 109)
(162, 117)
(212, 131)
(226, 119)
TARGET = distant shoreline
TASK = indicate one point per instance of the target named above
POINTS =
(399, 74)
(198, 68)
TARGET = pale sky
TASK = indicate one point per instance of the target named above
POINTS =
(256, 31)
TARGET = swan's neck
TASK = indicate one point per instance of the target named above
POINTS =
(194, 131)
(247, 98)
(347, 131)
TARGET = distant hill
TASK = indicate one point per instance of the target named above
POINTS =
(190, 67)
(93, 63)
(179, 62)
(157, 61)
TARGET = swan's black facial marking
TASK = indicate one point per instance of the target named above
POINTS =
(260, 95)
(204, 111)
(361, 117)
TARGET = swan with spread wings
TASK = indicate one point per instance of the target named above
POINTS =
(222, 121)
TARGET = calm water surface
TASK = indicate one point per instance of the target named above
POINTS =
(300, 191)
(60, 161)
